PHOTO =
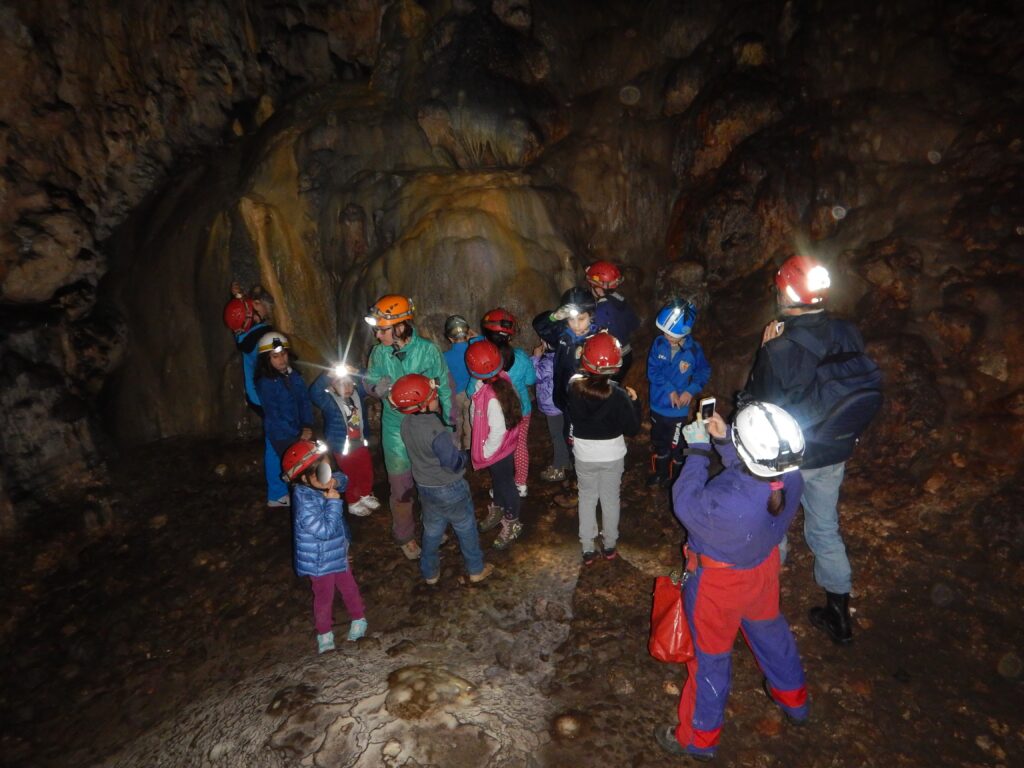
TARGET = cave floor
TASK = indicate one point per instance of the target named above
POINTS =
(177, 634)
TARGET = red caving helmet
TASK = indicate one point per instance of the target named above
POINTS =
(239, 314)
(602, 354)
(411, 392)
(299, 457)
(803, 281)
(501, 321)
(483, 359)
(604, 274)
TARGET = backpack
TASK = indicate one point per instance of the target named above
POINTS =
(844, 398)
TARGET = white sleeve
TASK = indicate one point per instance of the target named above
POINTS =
(496, 427)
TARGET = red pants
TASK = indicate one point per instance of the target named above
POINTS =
(358, 467)
(323, 598)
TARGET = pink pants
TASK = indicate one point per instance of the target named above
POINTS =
(358, 467)
(323, 598)
(522, 455)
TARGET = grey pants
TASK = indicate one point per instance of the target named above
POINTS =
(560, 458)
(599, 481)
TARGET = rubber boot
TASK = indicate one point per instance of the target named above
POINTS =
(834, 618)
(659, 470)
(670, 474)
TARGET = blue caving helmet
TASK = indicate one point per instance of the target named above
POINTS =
(677, 318)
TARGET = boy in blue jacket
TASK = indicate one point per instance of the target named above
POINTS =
(677, 371)
(320, 538)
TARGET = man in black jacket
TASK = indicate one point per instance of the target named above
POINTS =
(785, 373)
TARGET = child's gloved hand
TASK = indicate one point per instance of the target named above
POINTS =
(381, 388)
(562, 313)
(695, 432)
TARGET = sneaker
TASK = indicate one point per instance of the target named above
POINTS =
(521, 487)
(356, 629)
(411, 549)
(589, 558)
(553, 474)
(359, 509)
(432, 581)
(610, 553)
(325, 642)
(510, 531)
(665, 735)
(494, 514)
(284, 501)
(371, 502)
(476, 578)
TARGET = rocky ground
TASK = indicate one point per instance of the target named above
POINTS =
(180, 636)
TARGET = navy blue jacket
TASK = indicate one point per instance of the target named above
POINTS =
(615, 314)
(319, 537)
(246, 343)
(286, 408)
(568, 347)
(682, 370)
(336, 423)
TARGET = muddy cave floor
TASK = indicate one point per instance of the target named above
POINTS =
(179, 635)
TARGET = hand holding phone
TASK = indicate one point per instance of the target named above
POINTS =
(707, 408)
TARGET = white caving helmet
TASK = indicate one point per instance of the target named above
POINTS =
(273, 341)
(767, 439)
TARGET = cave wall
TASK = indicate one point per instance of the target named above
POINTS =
(332, 152)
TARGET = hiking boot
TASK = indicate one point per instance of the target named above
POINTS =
(510, 531)
(284, 501)
(589, 558)
(325, 642)
(553, 474)
(476, 578)
(834, 618)
(521, 487)
(411, 550)
(611, 553)
(659, 471)
(665, 735)
(432, 581)
(790, 717)
(494, 513)
(356, 629)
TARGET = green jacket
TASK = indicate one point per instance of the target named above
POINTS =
(418, 356)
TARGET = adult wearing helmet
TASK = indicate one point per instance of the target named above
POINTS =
(784, 373)
(735, 523)
(602, 414)
(400, 350)
(677, 371)
(612, 311)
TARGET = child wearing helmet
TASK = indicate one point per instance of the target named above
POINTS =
(602, 414)
(334, 392)
(320, 538)
(438, 467)
(496, 418)
(677, 371)
(460, 336)
(287, 410)
(612, 311)
(400, 350)
(499, 326)
(735, 523)
(248, 318)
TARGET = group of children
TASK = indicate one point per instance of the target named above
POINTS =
(473, 404)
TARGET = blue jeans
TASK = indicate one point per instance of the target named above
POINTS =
(444, 504)
(821, 527)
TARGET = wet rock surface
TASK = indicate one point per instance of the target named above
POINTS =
(182, 637)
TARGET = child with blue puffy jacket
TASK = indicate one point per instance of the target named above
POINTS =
(321, 539)
(677, 371)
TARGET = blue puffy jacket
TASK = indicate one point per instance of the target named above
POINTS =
(682, 370)
(319, 535)
(286, 408)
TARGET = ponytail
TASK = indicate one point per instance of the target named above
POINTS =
(776, 498)
(508, 399)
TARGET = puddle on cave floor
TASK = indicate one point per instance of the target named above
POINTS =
(181, 636)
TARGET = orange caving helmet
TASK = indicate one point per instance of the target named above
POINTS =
(483, 359)
(604, 274)
(239, 314)
(803, 281)
(389, 311)
(501, 321)
(299, 457)
(602, 354)
(411, 392)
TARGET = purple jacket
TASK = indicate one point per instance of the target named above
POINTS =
(727, 518)
(544, 366)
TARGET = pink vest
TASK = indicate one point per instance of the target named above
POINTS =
(481, 428)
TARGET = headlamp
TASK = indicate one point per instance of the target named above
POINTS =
(574, 312)
(371, 321)
(341, 371)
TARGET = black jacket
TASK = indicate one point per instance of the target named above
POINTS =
(603, 419)
(567, 348)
